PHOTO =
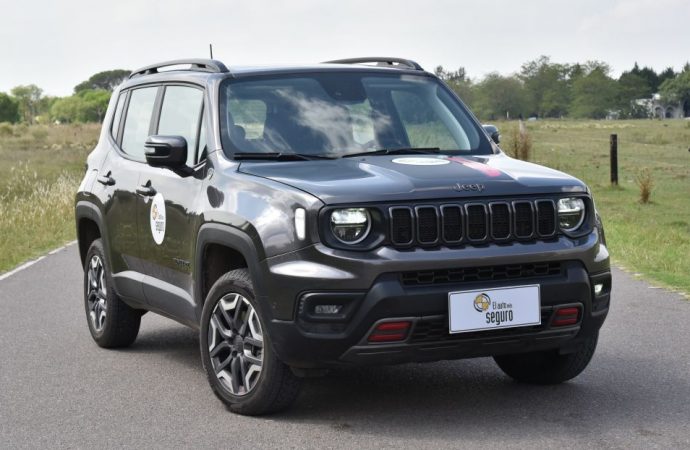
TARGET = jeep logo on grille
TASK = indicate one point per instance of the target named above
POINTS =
(469, 187)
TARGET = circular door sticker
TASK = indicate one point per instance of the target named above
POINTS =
(420, 161)
(158, 218)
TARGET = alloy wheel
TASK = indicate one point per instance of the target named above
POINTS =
(235, 344)
(97, 293)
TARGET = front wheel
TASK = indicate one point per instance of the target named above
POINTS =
(548, 367)
(236, 350)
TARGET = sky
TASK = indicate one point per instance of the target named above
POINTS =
(57, 44)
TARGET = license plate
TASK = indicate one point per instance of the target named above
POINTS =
(489, 309)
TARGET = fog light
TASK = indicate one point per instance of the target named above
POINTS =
(328, 309)
(598, 288)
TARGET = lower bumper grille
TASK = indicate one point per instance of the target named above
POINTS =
(435, 329)
(489, 273)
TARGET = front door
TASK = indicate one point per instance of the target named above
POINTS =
(168, 210)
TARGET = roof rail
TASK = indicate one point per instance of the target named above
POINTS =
(380, 61)
(197, 65)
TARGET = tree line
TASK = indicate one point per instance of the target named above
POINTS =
(88, 103)
(545, 89)
(541, 88)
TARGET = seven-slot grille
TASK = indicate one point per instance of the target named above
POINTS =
(472, 223)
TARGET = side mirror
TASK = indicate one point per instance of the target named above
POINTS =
(166, 151)
(492, 131)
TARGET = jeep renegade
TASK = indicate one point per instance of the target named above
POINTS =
(346, 213)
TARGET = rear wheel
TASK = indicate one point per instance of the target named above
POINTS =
(236, 350)
(548, 367)
(112, 322)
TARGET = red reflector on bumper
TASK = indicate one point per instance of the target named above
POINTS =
(566, 316)
(390, 332)
(393, 326)
(387, 337)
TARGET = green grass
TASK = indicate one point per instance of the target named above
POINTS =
(41, 166)
(652, 238)
(40, 170)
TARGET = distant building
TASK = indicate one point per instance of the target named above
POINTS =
(658, 109)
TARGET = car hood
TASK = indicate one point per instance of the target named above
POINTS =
(414, 177)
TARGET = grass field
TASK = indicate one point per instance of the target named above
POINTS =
(40, 170)
(41, 166)
(652, 238)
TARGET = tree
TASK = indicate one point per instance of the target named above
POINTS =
(459, 82)
(501, 97)
(594, 94)
(546, 86)
(667, 74)
(630, 88)
(9, 109)
(677, 89)
(28, 98)
(108, 80)
(86, 106)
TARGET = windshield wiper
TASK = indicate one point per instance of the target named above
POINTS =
(274, 156)
(395, 151)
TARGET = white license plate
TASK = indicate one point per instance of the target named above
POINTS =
(489, 309)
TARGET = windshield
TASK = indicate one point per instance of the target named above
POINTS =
(335, 114)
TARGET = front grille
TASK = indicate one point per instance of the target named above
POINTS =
(427, 224)
(472, 223)
(435, 329)
(488, 273)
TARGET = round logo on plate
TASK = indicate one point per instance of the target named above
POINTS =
(421, 161)
(482, 302)
(158, 218)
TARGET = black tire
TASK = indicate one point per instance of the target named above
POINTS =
(120, 326)
(276, 387)
(548, 367)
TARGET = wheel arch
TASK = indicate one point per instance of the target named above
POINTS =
(220, 249)
(90, 227)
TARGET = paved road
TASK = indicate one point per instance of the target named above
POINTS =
(57, 389)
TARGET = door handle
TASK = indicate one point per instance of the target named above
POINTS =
(106, 180)
(146, 190)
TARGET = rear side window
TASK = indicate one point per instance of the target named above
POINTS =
(115, 128)
(180, 116)
(138, 121)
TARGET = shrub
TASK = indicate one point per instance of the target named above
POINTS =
(645, 182)
(6, 129)
(519, 143)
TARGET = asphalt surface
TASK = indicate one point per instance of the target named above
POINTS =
(58, 389)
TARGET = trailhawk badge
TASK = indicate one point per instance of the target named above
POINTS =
(158, 218)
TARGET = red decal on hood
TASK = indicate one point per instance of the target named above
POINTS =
(483, 168)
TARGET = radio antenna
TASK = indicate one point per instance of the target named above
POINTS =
(210, 49)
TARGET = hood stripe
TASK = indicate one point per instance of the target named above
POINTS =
(483, 168)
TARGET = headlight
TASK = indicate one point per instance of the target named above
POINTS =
(571, 213)
(351, 225)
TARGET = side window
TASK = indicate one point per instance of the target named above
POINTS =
(137, 122)
(115, 128)
(180, 116)
(423, 125)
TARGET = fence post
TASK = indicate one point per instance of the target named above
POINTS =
(614, 159)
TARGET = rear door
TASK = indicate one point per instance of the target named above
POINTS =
(119, 179)
(169, 216)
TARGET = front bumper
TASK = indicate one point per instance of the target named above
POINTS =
(374, 289)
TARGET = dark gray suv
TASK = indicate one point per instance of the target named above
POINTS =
(346, 213)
